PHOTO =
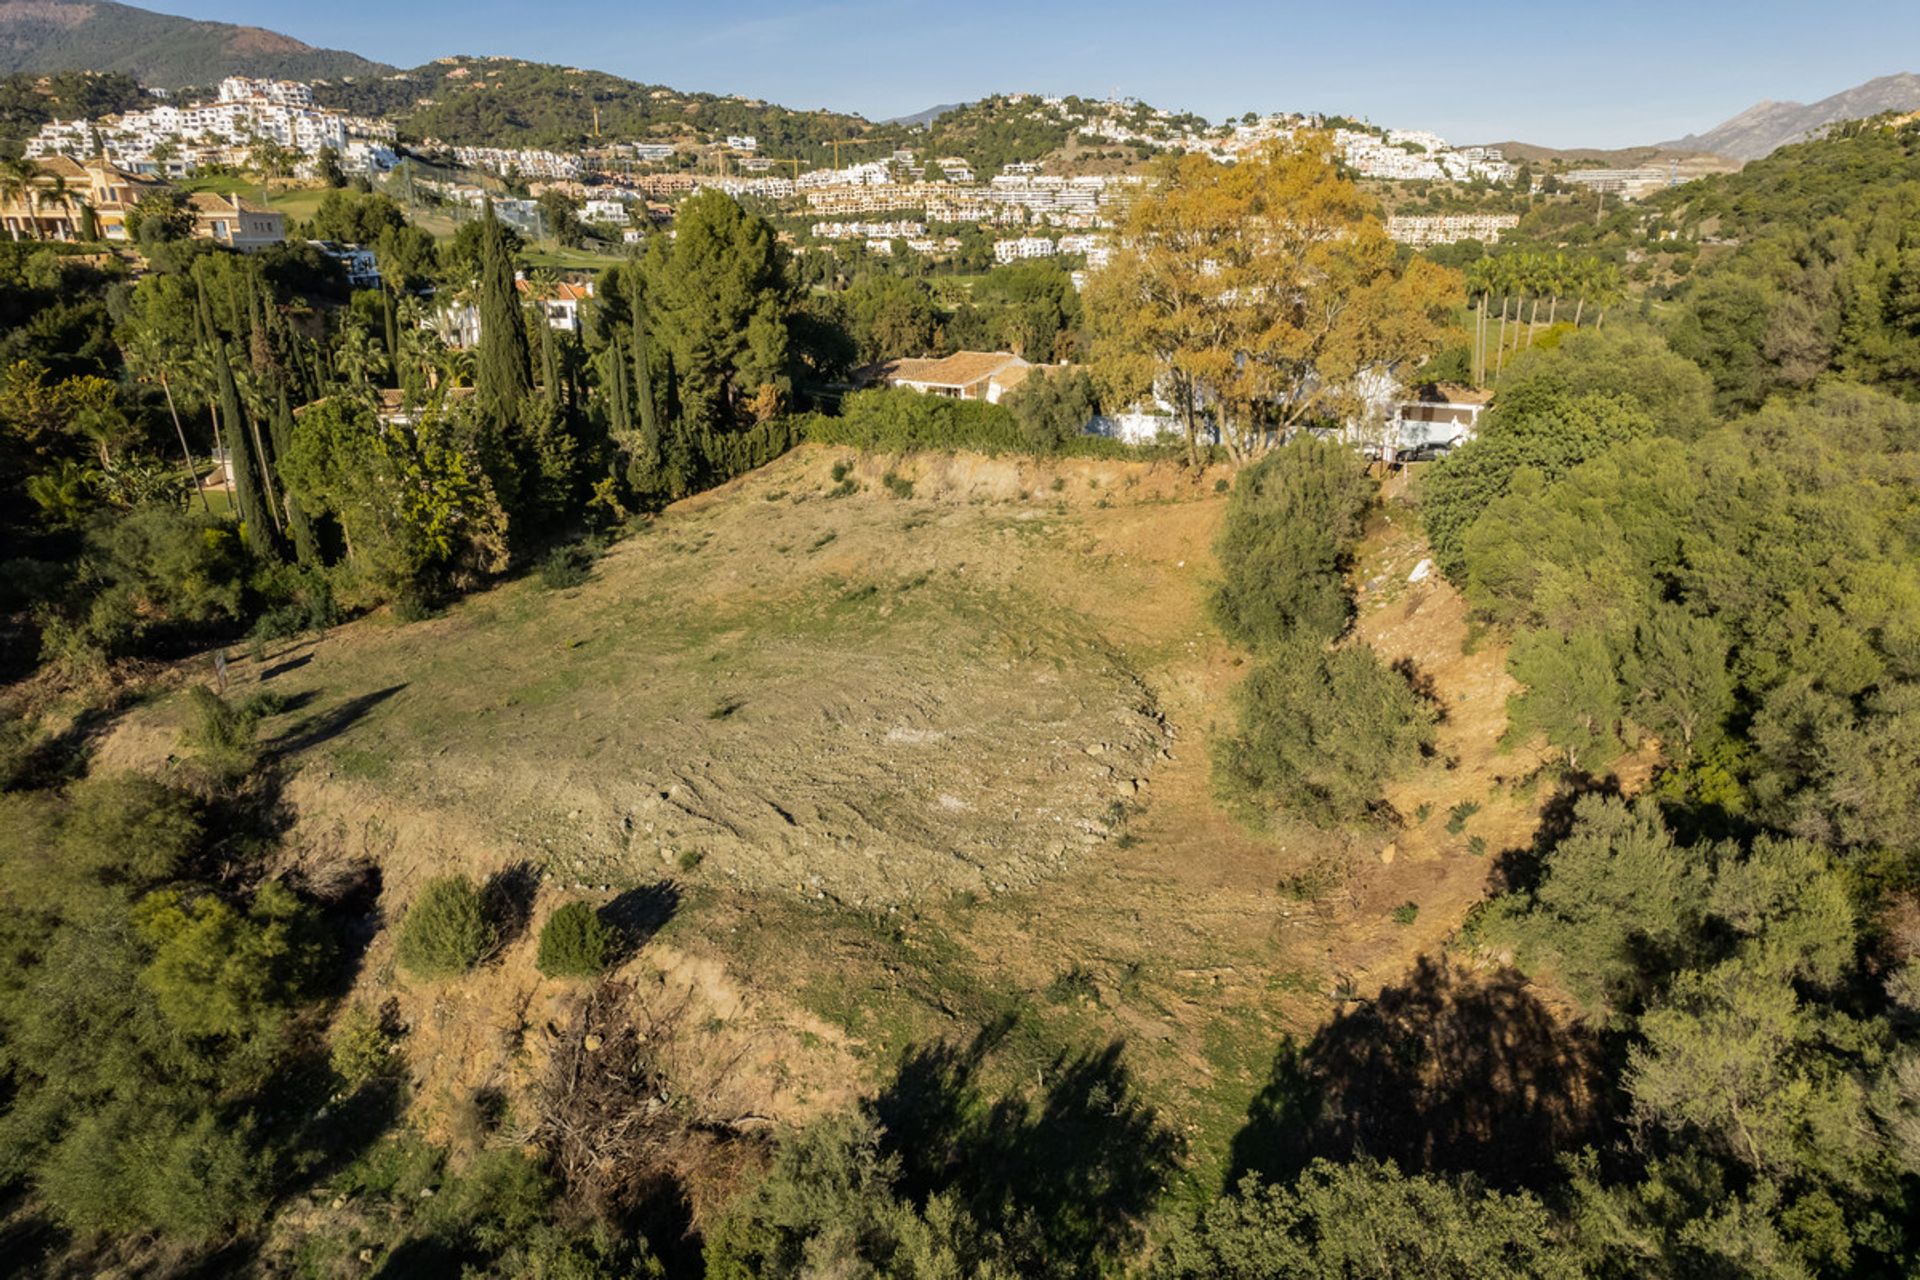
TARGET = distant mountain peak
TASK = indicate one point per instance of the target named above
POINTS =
(157, 48)
(926, 117)
(1766, 125)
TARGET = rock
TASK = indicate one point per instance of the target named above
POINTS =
(592, 1043)
(1388, 854)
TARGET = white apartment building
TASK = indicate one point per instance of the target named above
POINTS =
(527, 164)
(246, 113)
(900, 230)
(1450, 228)
(743, 142)
(1024, 247)
(600, 210)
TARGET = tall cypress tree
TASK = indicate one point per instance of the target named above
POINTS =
(503, 369)
(305, 547)
(247, 497)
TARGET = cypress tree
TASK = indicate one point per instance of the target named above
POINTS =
(642, 374)
(620, 409)
(305, 548)
(393, 334)
(247, 498)
(549, 366)
(503, 371)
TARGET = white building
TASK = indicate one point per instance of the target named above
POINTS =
(1005, 251)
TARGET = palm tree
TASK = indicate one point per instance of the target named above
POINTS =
(17, 178)
(49, 184)
(357, 358)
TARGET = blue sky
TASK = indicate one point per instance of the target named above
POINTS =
(1605, 73)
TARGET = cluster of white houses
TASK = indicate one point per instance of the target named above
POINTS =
(173, 141)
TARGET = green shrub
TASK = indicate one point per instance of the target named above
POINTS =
(898, 485)
(1319, 733)
(566, 567)
(130, 829)
(1406, 913)
(896, 420)
(1458, 815)
(576, 943)
(361, 1047)
(446, 932)
(1291, 524)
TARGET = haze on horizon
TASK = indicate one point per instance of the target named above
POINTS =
(1609, 75)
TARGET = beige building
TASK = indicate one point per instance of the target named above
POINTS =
(964, 375)
(57, 202)
(236, 222)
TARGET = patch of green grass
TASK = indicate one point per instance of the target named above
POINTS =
(1406, 913)
(823, 540)
(364, 765)
(1458, 815)
(898, 485)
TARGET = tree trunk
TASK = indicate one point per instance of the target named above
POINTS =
(1500, 350)
(1533, 320)
(1192, 427)
(186, 454)
(1578, 308)
(266, 475)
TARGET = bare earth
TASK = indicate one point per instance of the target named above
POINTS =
(901, 767)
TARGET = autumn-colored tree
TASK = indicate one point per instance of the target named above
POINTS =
(1265, 292)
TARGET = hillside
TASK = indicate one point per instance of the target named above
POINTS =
(1761, 128)
(882, 789)
(156, 48)
(1605, 158)
(508, 102)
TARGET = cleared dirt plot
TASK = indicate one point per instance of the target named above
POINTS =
(893, 754)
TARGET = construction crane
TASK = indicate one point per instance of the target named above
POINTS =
(851, 142)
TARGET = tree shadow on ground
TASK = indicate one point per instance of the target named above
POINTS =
(1065, 1176)
(1447, 1072)
(507, 899)
(640, 913)
(316, 729)
(1519, 870)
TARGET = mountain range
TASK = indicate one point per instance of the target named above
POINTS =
(1766, 125)
(158, 49)
(171, 52)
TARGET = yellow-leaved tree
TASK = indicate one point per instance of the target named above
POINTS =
(1262, 295)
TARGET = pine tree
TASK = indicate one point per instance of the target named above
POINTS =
(503, 372)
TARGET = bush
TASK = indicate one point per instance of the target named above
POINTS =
(223, 732)
(1291, 523)
(362, 1047)
(446, 932)
(1406, 913)
(576, 943)
(1319, 734)
(897, 420)
(566, 567)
